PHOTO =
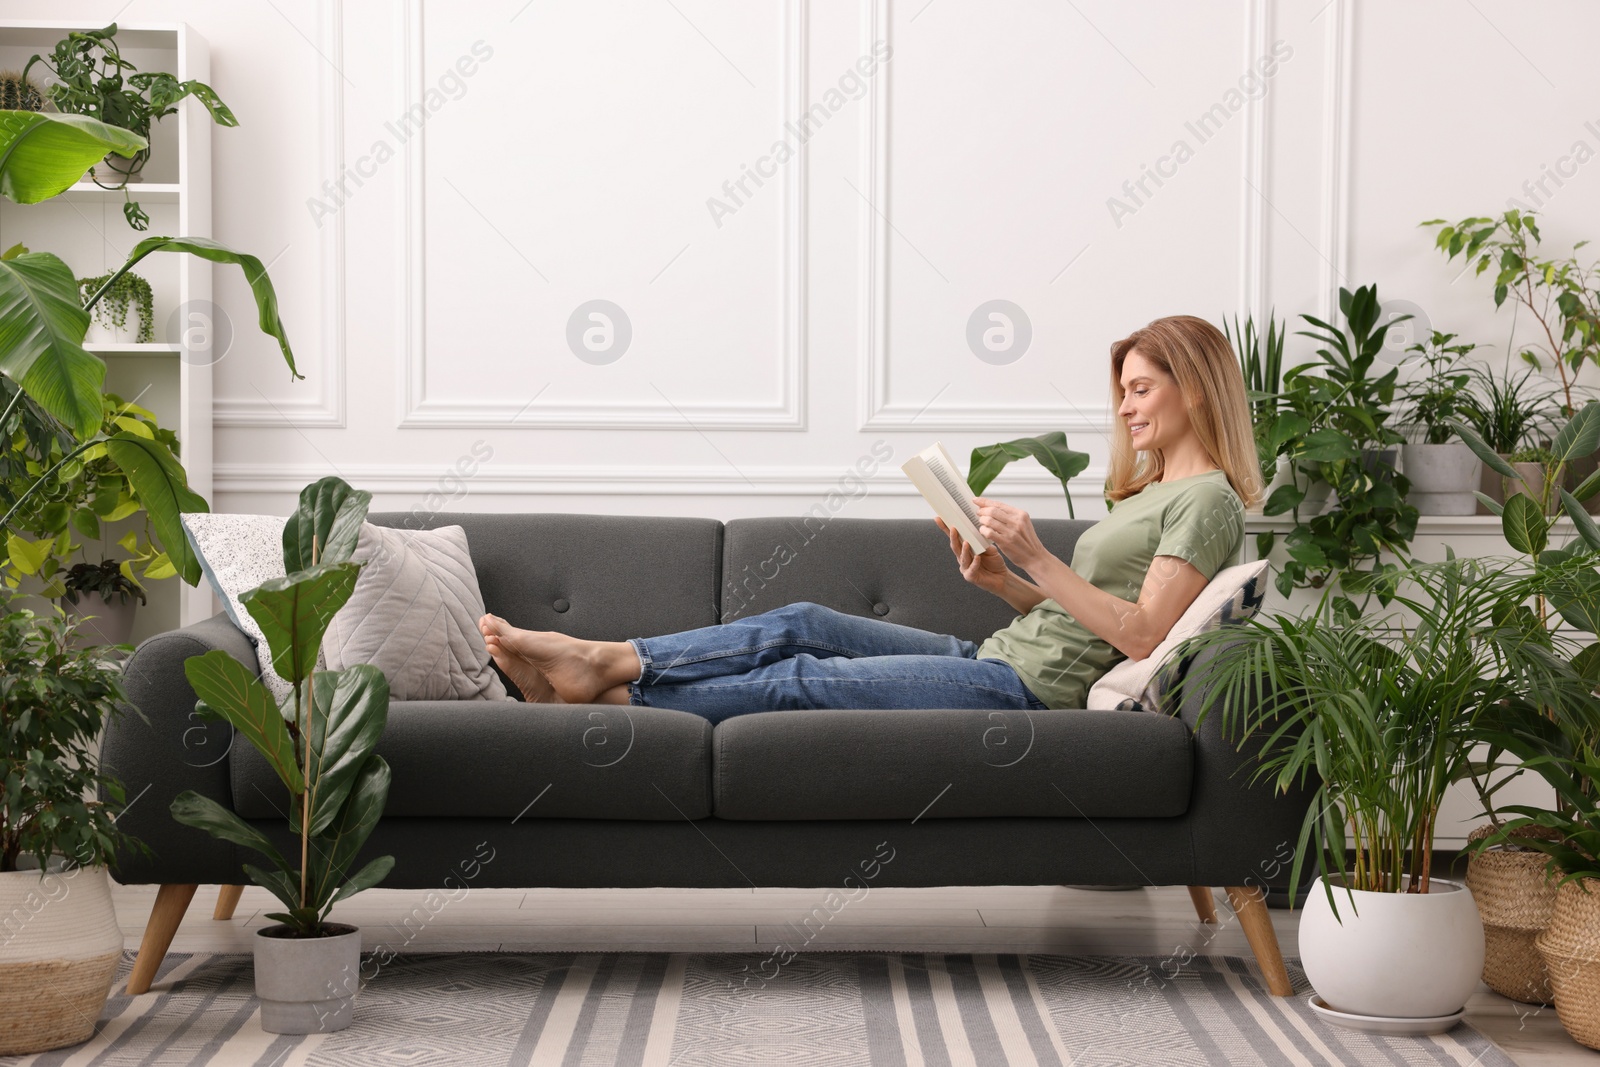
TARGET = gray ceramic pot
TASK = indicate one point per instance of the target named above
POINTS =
(307, 985)
(1442, 478)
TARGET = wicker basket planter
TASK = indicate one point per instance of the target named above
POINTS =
(59, 949)
(1516, 903)
(1571, 950)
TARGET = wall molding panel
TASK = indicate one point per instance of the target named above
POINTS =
(784, 411)
(327, 409)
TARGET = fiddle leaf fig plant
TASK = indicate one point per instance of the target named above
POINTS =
(321, 740)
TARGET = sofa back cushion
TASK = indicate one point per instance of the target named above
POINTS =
(598, 577)
(900, 570)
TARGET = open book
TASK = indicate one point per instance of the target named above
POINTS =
(936, 477)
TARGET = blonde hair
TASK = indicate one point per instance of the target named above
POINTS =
(1197, 356)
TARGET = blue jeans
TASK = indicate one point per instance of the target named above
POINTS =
(809, 656)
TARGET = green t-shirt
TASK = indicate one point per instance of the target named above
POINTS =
(1199, 519)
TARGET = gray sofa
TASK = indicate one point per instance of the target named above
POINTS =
(576, 796)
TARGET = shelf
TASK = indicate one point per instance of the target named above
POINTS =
(149, 192)
(153, 348)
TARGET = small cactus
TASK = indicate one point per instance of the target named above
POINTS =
(17, 93)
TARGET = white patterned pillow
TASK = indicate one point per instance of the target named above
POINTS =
(414, 615)
(238, 553)
(1234, 594)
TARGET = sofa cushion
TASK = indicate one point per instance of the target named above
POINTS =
(950, 764)
(507, 760)
(900, 570)
(598, 577)
(414, 615)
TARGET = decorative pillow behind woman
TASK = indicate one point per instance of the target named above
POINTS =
(1183, 470)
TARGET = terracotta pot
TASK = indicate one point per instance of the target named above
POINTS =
(1577, 470)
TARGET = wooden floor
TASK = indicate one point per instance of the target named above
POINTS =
(1145, 922)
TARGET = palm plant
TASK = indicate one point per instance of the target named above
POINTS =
(1261, 362)
(1507, 413)
(1386, 711)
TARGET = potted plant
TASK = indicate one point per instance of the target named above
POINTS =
(1507, 414)
(66, 501)
(89, 67)
(1506, 870)
(1261, 362)
(18, 93)
(1442, 470)
(110, 319)
(103, 598)
(1386, 712)
(61, 930)
(320, 742)
(42, 324)
(1537, 473)
(1561, 295)
(1334, 430)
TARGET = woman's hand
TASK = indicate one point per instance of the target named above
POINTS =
(988, 571)
(1012, 531)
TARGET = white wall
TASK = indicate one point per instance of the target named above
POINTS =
(830, 309)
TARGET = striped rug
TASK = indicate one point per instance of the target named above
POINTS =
(875, 1008)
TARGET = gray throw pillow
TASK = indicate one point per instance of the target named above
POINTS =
(414, 615)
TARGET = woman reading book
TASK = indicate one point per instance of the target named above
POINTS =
(1177, 518)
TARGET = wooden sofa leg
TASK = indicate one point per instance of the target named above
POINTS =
(1251, 907)
(171, 902)
(1205, 905)
(227, 900)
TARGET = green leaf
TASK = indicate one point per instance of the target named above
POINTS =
(87, 523)
(1494, 506)
(254, 273)
(1328, 446)
(203, 813)
(326, 525)
(41, 154)
(1580, 436)
(1525, 529)
(1480, 448)
(332, 852)
(228, 688)
(1581, 520)
(349, 710)
(1578, 601)
(162, 486)
(294, 612)
(27, 556)
(1587, 663)
(1050, 449)
(365, 878)
(41, 340)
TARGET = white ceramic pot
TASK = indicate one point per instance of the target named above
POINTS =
(1442, 478)
(58, 933)
(307, 985)
(1395, 955)
(104, 334)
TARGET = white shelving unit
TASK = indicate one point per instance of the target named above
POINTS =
(85, 227)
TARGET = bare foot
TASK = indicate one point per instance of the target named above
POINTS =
(534, 686)
(561, 661)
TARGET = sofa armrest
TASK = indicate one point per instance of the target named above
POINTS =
(1242, 830)
(160, 746)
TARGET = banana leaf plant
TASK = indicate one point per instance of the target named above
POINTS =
(43, 319)
(321, 740)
